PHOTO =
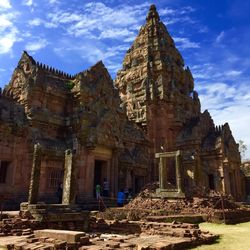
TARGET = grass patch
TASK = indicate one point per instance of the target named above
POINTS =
(232, 237)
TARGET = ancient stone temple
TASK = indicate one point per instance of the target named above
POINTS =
(158, 93)
(53, 121)
(76, 130)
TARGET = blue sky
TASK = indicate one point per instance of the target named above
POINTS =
(213, 37)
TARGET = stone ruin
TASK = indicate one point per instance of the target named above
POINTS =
(109, 137)
(77, 130)
(158, 93)
(62, 114)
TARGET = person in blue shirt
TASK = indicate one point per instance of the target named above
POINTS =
(120, 198)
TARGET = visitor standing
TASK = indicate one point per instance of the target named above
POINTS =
(130, 196)
(105, 187)
(120, 198)
(98, 191)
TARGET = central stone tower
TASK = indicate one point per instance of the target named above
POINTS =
(155, 87)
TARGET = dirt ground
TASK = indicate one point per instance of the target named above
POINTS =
(233, 237)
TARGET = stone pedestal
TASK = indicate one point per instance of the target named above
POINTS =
(57, 214)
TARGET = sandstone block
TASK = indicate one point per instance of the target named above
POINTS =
(69, 236)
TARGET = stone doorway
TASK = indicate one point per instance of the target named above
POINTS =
(100, 172)
(170, 164)
(211, 182)
(139, 181)
(170, 175)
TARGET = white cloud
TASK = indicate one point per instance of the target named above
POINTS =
(27, 2)
(220, 37)
(181, 19)
(228, 103)
(176, 12)
(116, 33)
(5, 22)
(223, 89)
(233, 73)
(35, 22)
(53, 1)
(179, 15)
(215, 72)
(5, 4)
(36, 45)
(92, 52)
(100, 21)
(185, 43)
(7, 41)
(167, 11)
(8, 31)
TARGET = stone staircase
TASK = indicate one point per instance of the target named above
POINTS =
(93, 204)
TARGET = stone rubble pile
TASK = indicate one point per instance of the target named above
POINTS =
(18, 227)
(196, 205)
(154, 236)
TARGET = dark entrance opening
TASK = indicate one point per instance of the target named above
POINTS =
(138, 183)
(211, 181)
(99, 173)
(247, 185)
(3, 171)
(171, 172)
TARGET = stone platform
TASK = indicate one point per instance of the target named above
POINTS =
(56, 214)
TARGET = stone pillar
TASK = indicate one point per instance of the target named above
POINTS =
(116, 172)
(226, 179)
(163, 173)
(178, 172)
(222, 179)
(35, 175)
(69, 182)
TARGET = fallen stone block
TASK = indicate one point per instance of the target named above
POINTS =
(69, 236)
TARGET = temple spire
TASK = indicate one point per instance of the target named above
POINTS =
(153, 14)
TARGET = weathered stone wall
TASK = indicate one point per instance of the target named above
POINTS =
(158, 94)
(59, 112)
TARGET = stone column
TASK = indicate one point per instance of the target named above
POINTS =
(163, 173)
(178, 172)
(35, 175)
(116, 172)
(69, 182)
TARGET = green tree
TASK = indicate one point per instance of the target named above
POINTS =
(242, 148)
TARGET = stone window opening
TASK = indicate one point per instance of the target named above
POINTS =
(3, 171)
(55, 178)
